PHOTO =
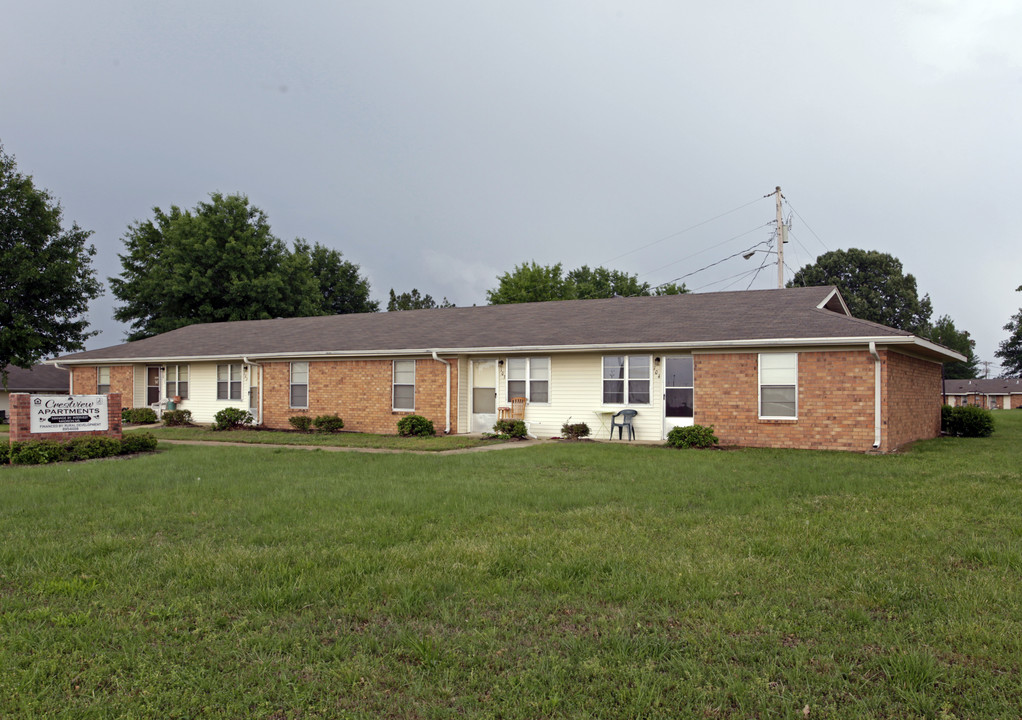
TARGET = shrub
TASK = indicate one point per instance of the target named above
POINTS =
(970, 421)
(139, 416)
(89, 448)
(137, 443)
(510, 429)
(693, 436)
(328, 423)
(232, 418)
(177, 417)
(574, 431)
(36, 452)
(302, 423)
(945, 417)
(411, 425)
(5, 452)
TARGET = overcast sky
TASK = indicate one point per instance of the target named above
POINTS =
(438, 144)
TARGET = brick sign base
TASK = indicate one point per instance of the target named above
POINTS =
(21, 425)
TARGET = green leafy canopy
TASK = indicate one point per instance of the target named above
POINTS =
(530, 282)
(221, 262)
(47, 279)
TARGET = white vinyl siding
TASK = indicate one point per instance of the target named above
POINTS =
(778, 385)
(299, 394)
(404, 385)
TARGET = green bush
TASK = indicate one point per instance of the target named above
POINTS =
(693, 436)
(301, 423)
(89, 448)
(231, 419)
(574, 431)
(411, 425)
(139, 416)
(945, 417)
(510, 428)
(328, 423)
(137, 443)
(36, 452)
(5, 452)
(177, 417)
(969, 421)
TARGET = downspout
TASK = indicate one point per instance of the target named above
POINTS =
(447, 428)
(244, 359)
(876, 399)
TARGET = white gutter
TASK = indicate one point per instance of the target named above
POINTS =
(876, 398)
(447, 428)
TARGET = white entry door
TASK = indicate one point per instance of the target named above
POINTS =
(679, 408)
(484, 395)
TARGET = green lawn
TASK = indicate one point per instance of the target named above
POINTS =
(435, 443)
(561, 580)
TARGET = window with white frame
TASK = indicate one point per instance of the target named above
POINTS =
(529, 378)
(228, 382)
(778, 385)
(626, 379)
(404, 385)
(299, 385)
(177, 381)
(103, 381)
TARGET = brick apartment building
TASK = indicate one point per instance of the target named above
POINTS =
(767, 368)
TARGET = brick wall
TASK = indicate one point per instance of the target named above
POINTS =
(21, 421)
(84, 380)
(1016, 401)
(912, 399)
(360, 392)
(835, 401)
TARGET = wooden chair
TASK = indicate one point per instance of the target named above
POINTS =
(518, 408)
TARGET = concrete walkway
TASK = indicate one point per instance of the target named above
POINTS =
(378, 451)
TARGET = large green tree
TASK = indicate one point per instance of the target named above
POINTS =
(530, 282)
(221, 262)
(414, 301)
(46, 274)
(944, 332)
(874, 285)
(1010, 350)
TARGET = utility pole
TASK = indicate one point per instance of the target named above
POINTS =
(780, 238)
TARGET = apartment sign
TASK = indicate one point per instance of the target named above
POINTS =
(68, 413)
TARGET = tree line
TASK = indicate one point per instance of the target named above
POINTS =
(220, 261)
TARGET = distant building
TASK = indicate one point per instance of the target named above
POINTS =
(40, 380)
(993, 394)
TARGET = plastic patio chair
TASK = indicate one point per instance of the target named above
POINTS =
(625, 421)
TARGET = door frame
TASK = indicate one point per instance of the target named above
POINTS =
(472, 414)
(687, 422)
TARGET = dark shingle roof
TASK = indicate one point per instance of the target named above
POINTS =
(706, 318)
(39, 378)
(995, 386)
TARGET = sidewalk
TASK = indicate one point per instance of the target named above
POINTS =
(379, 451)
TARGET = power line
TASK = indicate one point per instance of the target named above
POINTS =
(807, 226)
(712, 247)
(682, 232)
(707, 267)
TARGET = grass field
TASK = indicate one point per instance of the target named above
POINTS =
(435, 443)
(583, 580)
